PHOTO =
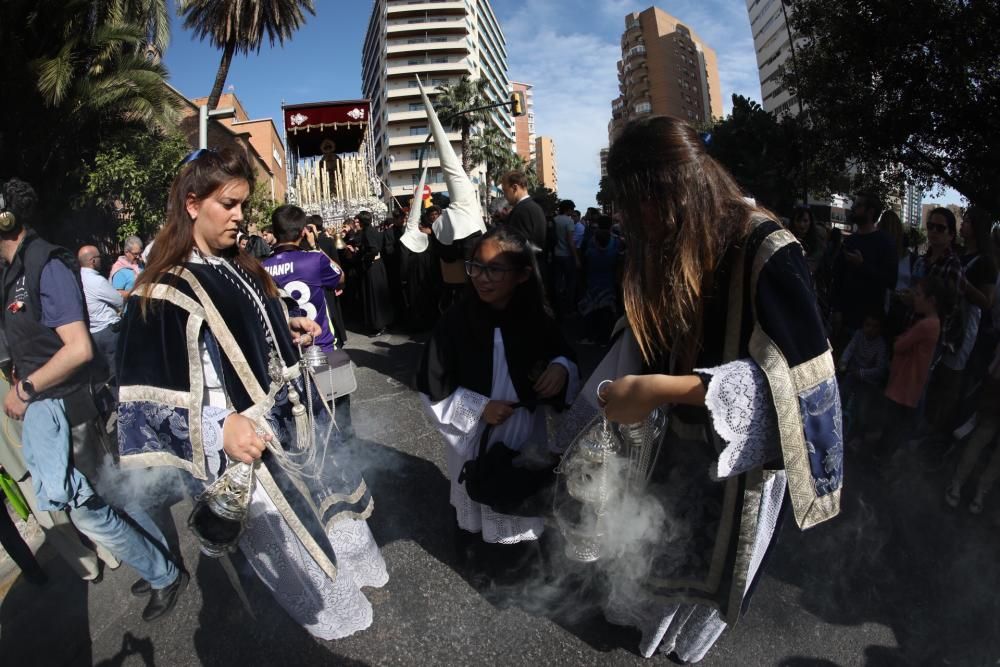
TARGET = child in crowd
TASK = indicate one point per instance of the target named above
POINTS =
(913, 354)
(985, 437)
(863, 367)
(493, 359)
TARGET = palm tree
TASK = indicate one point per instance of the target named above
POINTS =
(240, 26)
(100, 63)
(493, 148)
(454, 105)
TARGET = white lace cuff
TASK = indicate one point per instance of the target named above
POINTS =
(739, 401)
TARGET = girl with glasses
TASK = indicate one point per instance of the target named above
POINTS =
(494, 357)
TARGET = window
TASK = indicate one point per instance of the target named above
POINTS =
(439, 59)
(417, 130)
(416, 61)
(277, 156)
(416, 106)
(643, 107)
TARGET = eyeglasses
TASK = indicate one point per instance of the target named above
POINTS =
(194, 155)
(492, 272)
(936, 227)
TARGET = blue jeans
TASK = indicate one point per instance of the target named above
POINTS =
(58, 485)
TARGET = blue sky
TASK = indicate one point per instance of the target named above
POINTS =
(568, 49)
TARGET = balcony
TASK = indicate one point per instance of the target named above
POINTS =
(636, 51)
(417, 8)
(407, 165)
(418, 139)
(397, 116)
(447, 69)
(451, 46)
(458, 26)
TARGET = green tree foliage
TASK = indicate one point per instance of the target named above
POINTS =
(914, 83)
(604, 198)
(760, 152)
(546, 198)
(240, 26)
(454, 104)
(75, 72)
(130, 177)
(259, 207)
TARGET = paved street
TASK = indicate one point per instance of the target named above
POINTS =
(897, 579)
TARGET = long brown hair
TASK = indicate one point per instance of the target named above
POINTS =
(891, 225)
(208, 171)
(681, 212)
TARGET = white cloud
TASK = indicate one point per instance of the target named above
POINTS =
(575, 78)
(568, 49)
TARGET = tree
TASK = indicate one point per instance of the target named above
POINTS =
(455, 104)
(239, 26)
(491, 147)
(604, 198)
(545, 197)
(916, 85)
(81, 75)
(129, 179)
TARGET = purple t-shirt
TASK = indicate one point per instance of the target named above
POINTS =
(304, 275)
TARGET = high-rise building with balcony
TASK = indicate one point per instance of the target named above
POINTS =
(441, 41)
(774, 48)
(666, 69)
(545, 163)
(524, 126)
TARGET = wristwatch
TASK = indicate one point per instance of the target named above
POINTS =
(29, 389)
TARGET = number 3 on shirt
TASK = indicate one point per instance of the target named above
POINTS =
(299, 291)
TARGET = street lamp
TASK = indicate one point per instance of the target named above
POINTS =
(204, 114)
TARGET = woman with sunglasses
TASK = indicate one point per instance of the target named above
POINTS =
(493, 358)
(208, 362)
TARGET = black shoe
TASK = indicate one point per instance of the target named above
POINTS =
(141, 588)
(162, 600)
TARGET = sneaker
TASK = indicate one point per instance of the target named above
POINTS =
(953, 495)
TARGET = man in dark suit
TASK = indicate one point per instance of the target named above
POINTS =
(526, 216)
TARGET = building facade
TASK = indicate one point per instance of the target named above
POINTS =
(774, 48)
(545, 163)
(263, 136)
(441, 41)
(604, 162)
(666, 69)
(524, 126)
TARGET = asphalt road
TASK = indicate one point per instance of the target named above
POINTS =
(897, 579)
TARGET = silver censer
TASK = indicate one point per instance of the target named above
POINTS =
(604, 464)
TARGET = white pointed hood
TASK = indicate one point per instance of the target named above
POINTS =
(464, 215)
(414, 239)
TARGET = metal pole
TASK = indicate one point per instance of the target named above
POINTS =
(203, 126)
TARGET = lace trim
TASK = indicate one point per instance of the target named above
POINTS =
(467, 409)
(742, 410)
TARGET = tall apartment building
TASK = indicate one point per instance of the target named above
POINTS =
(774, 48)
(441, 41)
(545, 163)
(524, 126)
(666, 69)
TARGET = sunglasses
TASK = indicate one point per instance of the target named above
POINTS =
(492, 272)
(194, 155)
(936, 227)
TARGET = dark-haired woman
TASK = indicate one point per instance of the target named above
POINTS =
(803, 226)
(493, 358)
(209, 374)
(724, 334)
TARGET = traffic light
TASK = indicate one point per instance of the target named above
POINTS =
(517, 103)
